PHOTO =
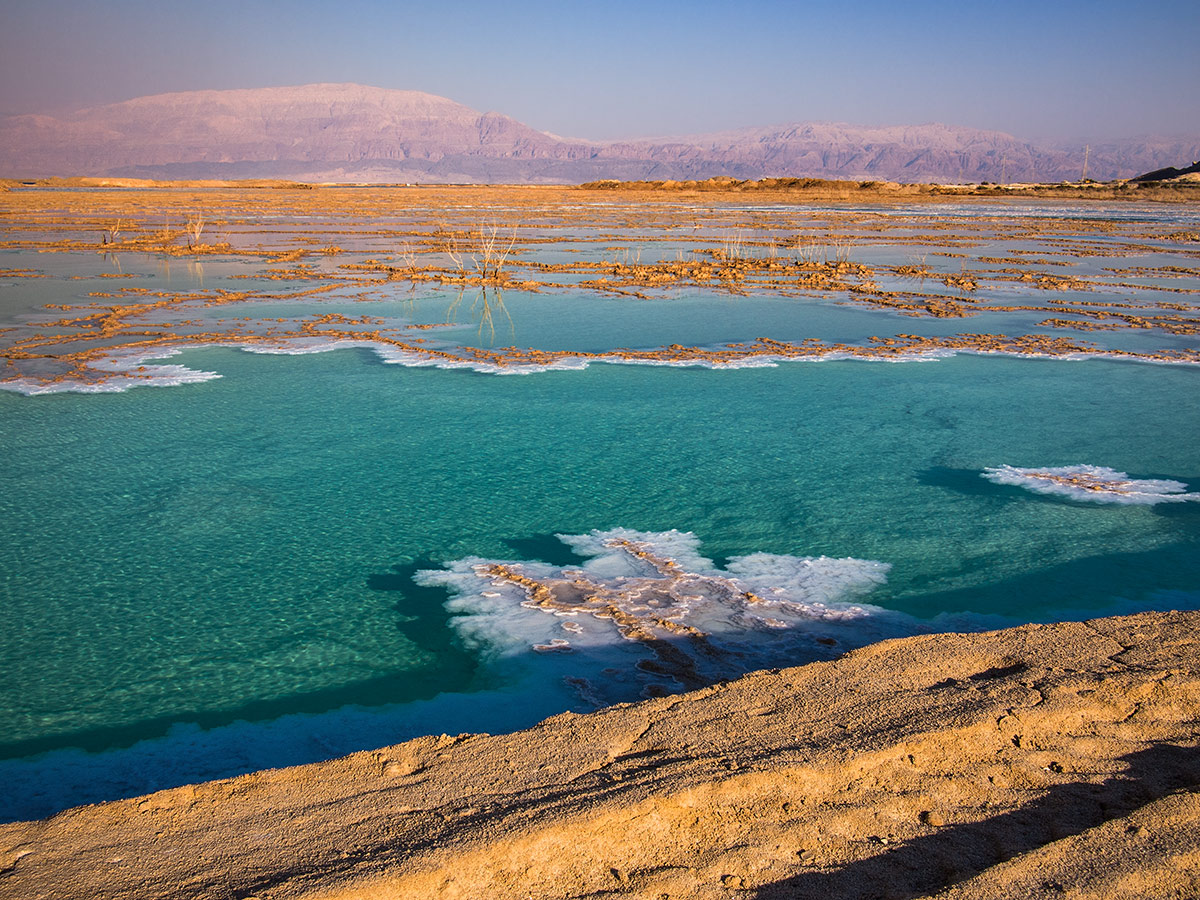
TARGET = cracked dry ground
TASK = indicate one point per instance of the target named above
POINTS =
(1043, 761)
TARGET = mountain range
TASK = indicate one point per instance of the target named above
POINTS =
(349, 132)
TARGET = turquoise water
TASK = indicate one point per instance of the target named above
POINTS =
(217, 577)
(242, 549)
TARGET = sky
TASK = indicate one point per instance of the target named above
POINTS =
(1048, 70)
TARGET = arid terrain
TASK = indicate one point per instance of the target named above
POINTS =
(1043, 761)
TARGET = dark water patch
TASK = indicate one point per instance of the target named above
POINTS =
(400, 687)
(546, 548)
(1112, 584)
(968, 482)
(422, 618)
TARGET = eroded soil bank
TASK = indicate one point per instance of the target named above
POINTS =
(1046, 760)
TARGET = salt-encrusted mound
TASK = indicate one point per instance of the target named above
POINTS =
(1095, 484)
(646, 614)
(1046, 760)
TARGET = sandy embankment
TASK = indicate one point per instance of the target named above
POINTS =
(1045, 761)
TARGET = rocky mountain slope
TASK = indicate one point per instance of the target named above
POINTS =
(311, 125)
(348, 132)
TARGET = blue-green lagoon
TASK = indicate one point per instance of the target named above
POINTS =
(322, 552)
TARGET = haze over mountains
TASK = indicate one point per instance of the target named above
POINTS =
(348, 132)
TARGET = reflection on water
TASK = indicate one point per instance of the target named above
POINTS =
(485, 308)
(192, 268)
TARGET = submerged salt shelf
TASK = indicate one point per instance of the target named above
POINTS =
(1096, 484)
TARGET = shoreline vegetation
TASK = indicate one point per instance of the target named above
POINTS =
(1044, 760)
(657, 238)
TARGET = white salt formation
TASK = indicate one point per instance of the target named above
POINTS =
(1093, 483)
(646, 606)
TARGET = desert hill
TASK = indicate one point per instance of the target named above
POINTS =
(341, 124)
(348, 132)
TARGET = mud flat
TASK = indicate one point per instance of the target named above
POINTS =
(303, 246)
(1047, 760)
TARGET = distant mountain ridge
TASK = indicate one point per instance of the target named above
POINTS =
(349, 132)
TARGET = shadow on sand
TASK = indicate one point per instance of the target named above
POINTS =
(958, 852)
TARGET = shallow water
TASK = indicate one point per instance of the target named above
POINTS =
(243, 548)
(217, 577)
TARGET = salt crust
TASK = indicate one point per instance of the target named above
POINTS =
(647, 613)
(130, 370)
(1094, 484)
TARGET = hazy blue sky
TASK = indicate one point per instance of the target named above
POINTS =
(1042, 69)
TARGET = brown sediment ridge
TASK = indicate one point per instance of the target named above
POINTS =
(1086, 482)
(83, 363)
(1046, 760)
(643, 609)
(114, 182)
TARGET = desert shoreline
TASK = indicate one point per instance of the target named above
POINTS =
(1044, 760)
(721, 189)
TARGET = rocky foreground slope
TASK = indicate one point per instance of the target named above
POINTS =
(1043, 761)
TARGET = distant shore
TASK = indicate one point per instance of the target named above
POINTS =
(1181, 190)
(980, 765)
